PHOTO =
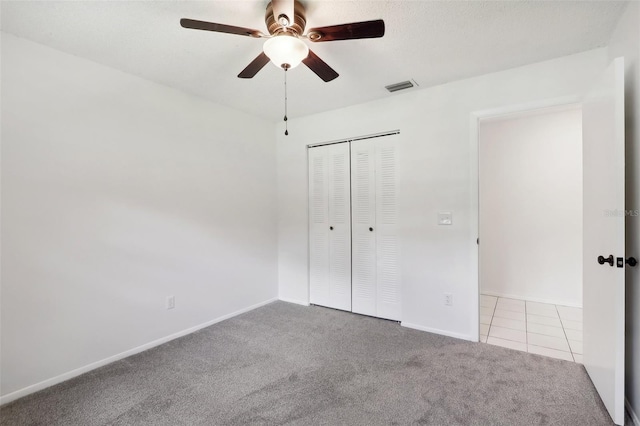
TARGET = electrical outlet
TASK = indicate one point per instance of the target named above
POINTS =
(448, 299)
(171, 302)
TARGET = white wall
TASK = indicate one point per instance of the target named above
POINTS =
(117, 192)
(625, 41)
(530, 179)
(434, 175)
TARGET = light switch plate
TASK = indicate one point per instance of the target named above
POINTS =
(445, 218)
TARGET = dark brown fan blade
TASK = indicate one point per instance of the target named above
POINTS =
(319, 67)
(355, 30)
(256, 65)
(219, 28)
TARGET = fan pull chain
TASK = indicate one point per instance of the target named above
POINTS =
(286, 125)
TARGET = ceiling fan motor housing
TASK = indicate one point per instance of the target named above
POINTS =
(297, 24)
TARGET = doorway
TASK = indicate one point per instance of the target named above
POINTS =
(530, 231)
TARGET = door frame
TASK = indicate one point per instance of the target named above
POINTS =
(474, 178)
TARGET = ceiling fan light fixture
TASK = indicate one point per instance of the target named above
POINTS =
(285, 51)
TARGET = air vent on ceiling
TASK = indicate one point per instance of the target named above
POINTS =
(401, 86)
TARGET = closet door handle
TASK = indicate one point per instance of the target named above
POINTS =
(370, 229)
(331, 228)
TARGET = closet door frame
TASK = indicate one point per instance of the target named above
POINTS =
(395, 311)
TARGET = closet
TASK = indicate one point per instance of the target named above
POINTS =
(353, 218)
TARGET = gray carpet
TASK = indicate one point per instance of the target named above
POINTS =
(289, 364)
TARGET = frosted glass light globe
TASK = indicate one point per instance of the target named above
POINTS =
(285, 51)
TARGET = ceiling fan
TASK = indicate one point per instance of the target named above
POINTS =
(286, 21)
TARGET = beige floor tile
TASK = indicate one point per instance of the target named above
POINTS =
(573, 334)
(520, 316)
(510, 306)
(576, 346)
(486, 311)
(571, 325)
(488, 301)
(509, 323)
(538, 319)
(553, 353)
(541, 306)
(544, 312)
(508, 334)
(507, 344)
(484, 329)
(551, 342)
(541, 328)
(512, 301)
(547, 330)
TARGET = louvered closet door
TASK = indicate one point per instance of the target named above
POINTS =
(363, 201)
(387, 248)
(319, 289)
(330, 227)
(375, 272)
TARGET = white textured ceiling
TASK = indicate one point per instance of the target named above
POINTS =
(432, 42)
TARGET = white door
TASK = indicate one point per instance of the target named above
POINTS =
(376, 272)
(604, 234)
(330, 226)
(363, 203)
(340, 226)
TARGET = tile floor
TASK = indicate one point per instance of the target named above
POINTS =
(539, 328)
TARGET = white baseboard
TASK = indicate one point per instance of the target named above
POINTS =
(632, 414)
(297, 302)
(437, 331)
(532, 299)
(78, 371)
